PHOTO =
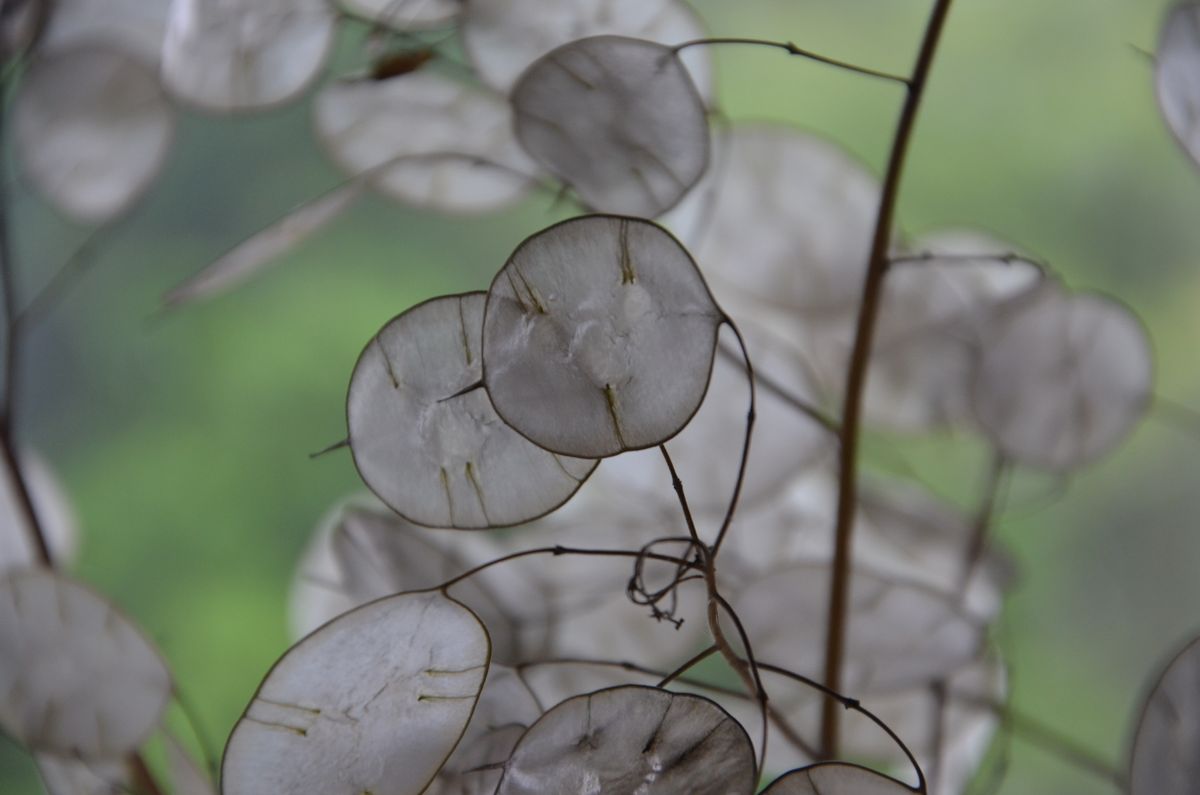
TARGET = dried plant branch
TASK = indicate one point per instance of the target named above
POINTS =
(792, 49)
(856, 375)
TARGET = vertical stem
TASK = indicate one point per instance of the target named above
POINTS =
(856, 376)
(11, 362)
(143, 779)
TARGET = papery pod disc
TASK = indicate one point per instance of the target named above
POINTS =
(1064, 377)
(78, 678)
(1177, 75)
(935, 320)
(136, 27)
(450, 146)
(900, 533)
(225, 56)
(618, 120)
(706, 452)
(506, 708)
(92, 129)
(836, 778)
(599, 337)
(361, 553)
(503, 37)
(374, 701)
(787, 220)
(437, 457)
(1166, 745)
(898, 634)
(909, 534)
(55, 516)
(69, 776)
(632, 739)
(405, 14)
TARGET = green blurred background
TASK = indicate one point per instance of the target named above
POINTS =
(183, 438)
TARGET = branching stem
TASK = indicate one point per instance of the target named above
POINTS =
(561, 550)
(792, 49)
(856, 376)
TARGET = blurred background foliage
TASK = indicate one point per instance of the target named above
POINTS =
(183, 437)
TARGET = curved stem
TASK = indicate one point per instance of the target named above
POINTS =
(751, 413)
(12, 337)
(856, 376)
(846, 702)
(561, 550)
(792, 49)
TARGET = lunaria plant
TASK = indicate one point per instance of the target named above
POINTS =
(620, 537)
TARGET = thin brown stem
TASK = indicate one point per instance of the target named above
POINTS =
(677, 484)
(12, 338)
(783, 393)
(856, 376)
(751, 413)
(1049, 740)
(982, 522)
(681, 670)
(708, 563)
(854, 704)
(780, 722)
(791, 49)
(561, 550)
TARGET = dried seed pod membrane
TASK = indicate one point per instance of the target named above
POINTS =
(599, 337)
(836, 778)
(450, 146)
(1064, 377)
(898, 635)
(362, 553)
(66, 776)
(934, 322)
(506, 707)
(503, 37)
(787, 220)
(1177, 75)
(1164, 760)
(619, 120)
(226, 56)
(78, 679)
(134, 26)
(704, 451)
(631, 739)
(375, 701)
(437, 457)
(405, 14)
(92, 130)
